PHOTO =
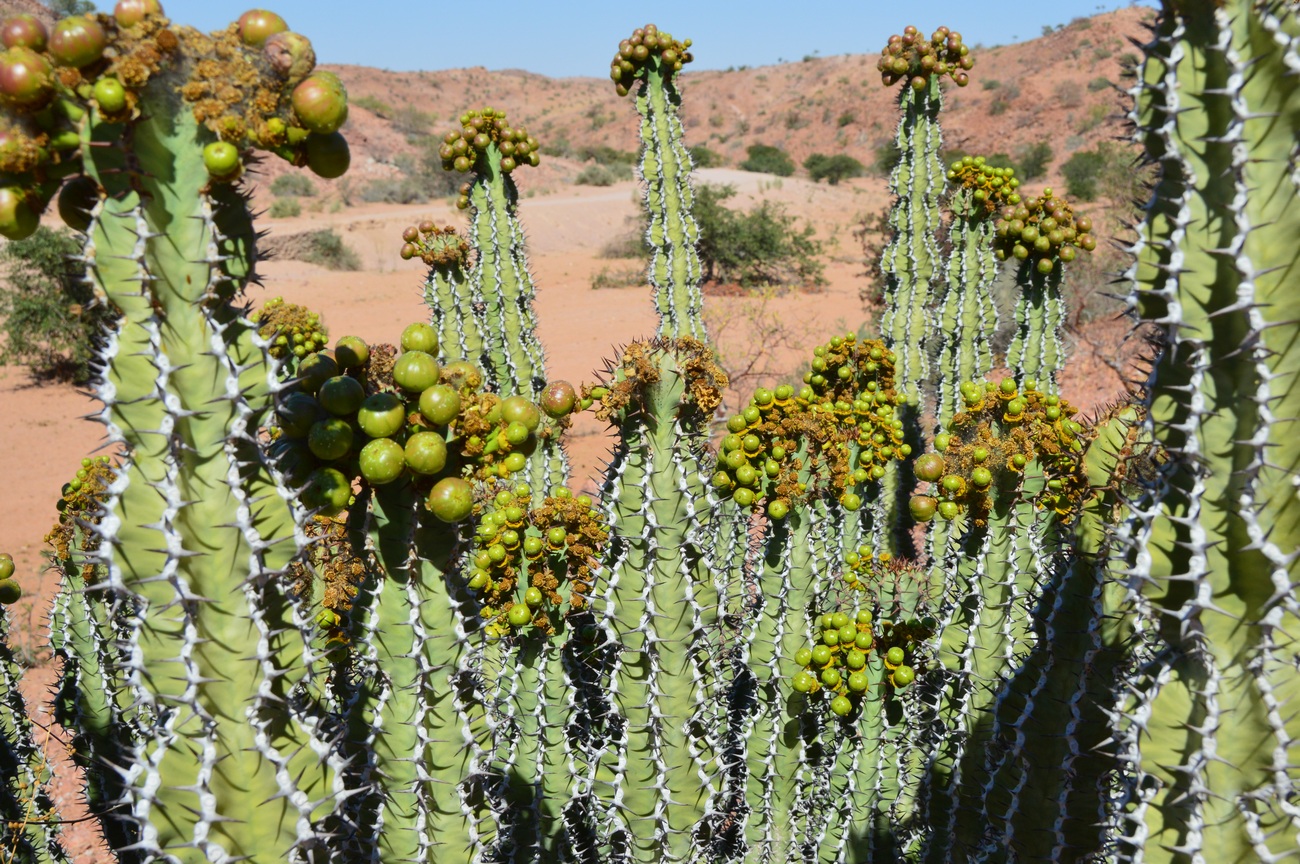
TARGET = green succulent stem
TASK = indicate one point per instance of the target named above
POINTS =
(1037, 352)
(968, 314)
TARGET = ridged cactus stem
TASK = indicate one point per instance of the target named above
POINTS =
(460, 335)
(1213, 752)
(1037, 352)
(968, 314)
(666, 170)
(911, 258)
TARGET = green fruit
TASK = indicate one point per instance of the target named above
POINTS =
(840, 620)
(903, 676)
(851, 501)
(856, 660)
(533, 597)
(831, 637)
(864, 617)
(296, 413)
(351, 352)
(518, 409)
(556, 536)
(778, 509)
(315, 370)
(10, 591)
(895, 656)
(516, 433)
(426, 453)
(420, 337)
(803, 656)
(831, 677)
(922, 507)
(863, 641)
(111, 95)
(381, 415)
(256, 25)
(743, 497)
(341, 395)
(519, 615)
(841, 706)
(77, 41)
(330, 439)
(848, 633)
(859, 682)
(6, 565)
(290, 55)
(803, 682)
(451, 500)
(439, 404)
(327, 490)
(381, 461)
(821, 655)
(18, 220)
(930, 467)
(77, 199)
(416, 370)
(221, 158)
(328, 156)
(515, 462)
(981, 477)
(948, 510)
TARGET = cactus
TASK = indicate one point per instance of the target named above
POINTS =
(730, 655)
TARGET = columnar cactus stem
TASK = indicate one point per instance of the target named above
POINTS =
(1212, 753)
(1037, 353)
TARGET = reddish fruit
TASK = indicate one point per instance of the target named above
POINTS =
(923, 507)
(77, 41)
(451, 500)
(559, 399)
(131, 12)
(321, 103)
(256, 25)
(291, 55)
(25, 77)
(18, 219)
(328, 156)
(24, 31)
(930, 467)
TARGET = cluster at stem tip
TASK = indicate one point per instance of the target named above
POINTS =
(81, 505)
(439, 247)
(291, 329)
(913, 59)
(986, 447)
(645, 46)
(463, 148)
(376, 414)
(990, 188)
(844, 416)
(1044, 229)
(251, 85)
(840, 662)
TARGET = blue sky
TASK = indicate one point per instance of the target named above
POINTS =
(579, 37)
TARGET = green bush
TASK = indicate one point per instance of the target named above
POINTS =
(601, 175)
(393, 190)
(52, 321)
(293, 185)
(1082, 171)
(833, 168)
(1101, 82)
(327, 249)
(766, 159)
(285, 208)
(703, 157)
(1033, 161)
(603, 155)
(1107, 171)
(761, 247)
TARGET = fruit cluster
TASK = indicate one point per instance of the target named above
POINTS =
(991, 188)
(986, 448)
(849, 652)
(253, 87)
(442, 248)
(10, 590)
(344, 417)
(462, 148)
(1044, 228)
(331, 556)
(912, 58)
(635, 53)
(536, 550)
(80, 505)
(844, 416)
(292, 330)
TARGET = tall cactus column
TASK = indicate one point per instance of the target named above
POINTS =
(1210, 730)
(654, 58)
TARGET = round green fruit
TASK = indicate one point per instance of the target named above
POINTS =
(821, 655)
(77, 199)
(77, 41)
(18, 220)
(10, 591)
(859, 682)
(296, 413)
(895, 656)
(803, 682)
(831, 677)
(6, 565)
(864, 617)
(382, 415)
(420, 337)
(519, 615)
(328, 156)
(426, 453)
(922, 507)
(221, 158)
(351, 352)
(803, 656)
(903, 676)
(327, 490)
(533, 597)
(320, 103)
(518, 409)
(416, 370)
(341, 395)
(514, 463)
(439, 404)
(381, 461)
(256, 25)
(841, 706)
(110, 94)
(315, 370)
(330, 439)
(451, 500)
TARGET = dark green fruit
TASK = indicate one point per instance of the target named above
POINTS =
(296, 414)
(76, 199)
(25, 78)
(327, 490)
(518, 409)
(420, 337)
(351, 352)
(558, 399)
(426, 453)
(451, 500)
(111, 96)
(77, 41)
(221, 158)
(10, 591)
(439, 404)
(320, 103)
(27, 31)
(256, 25)
(328, 156)
(330, 439)
(415, 370)
(382, 415)
(6, 565)
(18, 220)
(341, 395)
(381, 461)
(923, 507)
